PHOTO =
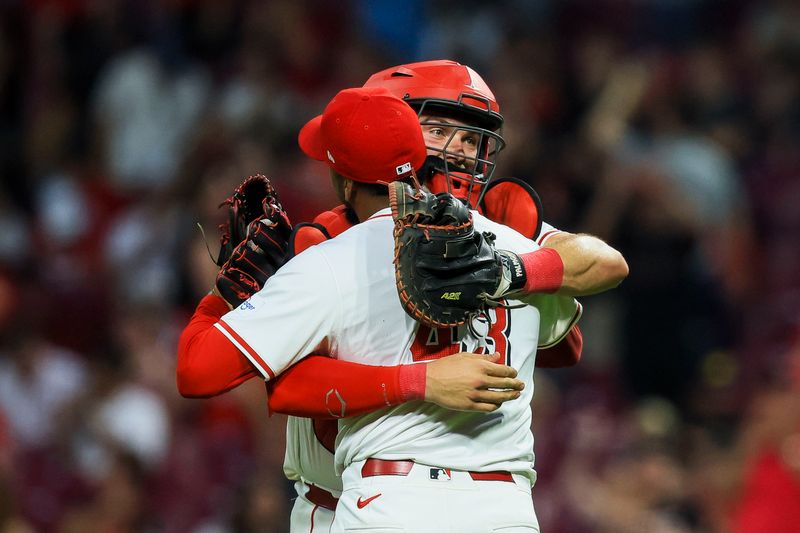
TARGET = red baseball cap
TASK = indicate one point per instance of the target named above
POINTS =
(367, 135)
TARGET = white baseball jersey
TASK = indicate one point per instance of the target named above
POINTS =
(545, 233)
(340, 297)
(307, 459)
(308, 462)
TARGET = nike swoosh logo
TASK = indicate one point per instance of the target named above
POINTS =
(361, 503)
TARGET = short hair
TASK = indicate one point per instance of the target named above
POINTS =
(372, 189)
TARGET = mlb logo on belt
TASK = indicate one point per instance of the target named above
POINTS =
(440, 474)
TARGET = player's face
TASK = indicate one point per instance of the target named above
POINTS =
(446, 136)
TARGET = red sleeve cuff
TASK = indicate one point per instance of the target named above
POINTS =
(412, 382)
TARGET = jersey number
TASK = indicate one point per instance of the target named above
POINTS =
(435, 343)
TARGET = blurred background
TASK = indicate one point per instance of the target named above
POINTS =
(670, 128)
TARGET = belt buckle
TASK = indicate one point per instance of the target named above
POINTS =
(440, 474)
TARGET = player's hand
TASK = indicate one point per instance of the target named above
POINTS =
(253, 261)
(471, 382)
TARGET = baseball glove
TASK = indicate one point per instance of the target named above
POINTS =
(254, 240)
(446, 272)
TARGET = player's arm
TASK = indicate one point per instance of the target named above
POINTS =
(581, 265)
(209, 364)
(589, 265)
(321, 387)
(567, 264)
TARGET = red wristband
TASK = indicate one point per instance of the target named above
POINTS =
(412, 380)
(544, 271)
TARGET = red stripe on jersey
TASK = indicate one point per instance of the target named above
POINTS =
(208, 362)
(545, 236)
(249, 352)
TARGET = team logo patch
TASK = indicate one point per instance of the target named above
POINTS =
(403, 169)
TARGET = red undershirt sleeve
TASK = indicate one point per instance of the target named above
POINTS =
(317, 387)
(321, 387)
(208, 363)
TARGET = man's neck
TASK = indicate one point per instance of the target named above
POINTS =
(366, 206)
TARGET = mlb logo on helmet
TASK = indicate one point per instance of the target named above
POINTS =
(367, 135)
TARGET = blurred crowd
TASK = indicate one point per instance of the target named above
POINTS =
(670, 128)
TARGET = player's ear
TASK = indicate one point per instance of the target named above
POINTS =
(348, 190)
(337, 180)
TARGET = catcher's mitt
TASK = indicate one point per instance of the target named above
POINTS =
(254, 241)
(446, 272)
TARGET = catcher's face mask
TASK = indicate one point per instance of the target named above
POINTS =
(461, 157)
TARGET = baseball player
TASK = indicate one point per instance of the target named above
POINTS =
(348, 319)
(589, 264)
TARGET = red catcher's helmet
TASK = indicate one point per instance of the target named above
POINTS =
(446, 89)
